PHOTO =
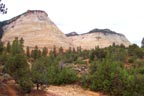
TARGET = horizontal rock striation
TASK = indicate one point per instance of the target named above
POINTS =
(35, 27)
(99, 37)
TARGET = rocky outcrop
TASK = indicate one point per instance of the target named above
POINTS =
(35, 27)
(71, 34)
(99, 37)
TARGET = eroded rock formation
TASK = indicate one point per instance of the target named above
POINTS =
(98, 37)
(35, 28)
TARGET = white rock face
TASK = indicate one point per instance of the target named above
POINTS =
(101, 39)
(36, 29)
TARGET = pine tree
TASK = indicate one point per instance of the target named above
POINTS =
(16, 47)
(21, 42)
(73, 50)
(61, 50)
(39, 53)
(54, 51)
(8, 47)
(18, 68)
(1, 46)
(28, 51)
(36, 53)
(40, 71)
(44, 51)
(69, 50)
(79, 49)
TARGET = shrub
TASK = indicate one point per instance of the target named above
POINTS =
(67, 76)
(25, 85)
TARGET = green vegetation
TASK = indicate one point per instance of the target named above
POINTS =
(115, 70)
(17, 66)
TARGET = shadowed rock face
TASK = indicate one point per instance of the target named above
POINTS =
(35, 28)
(72, 34)
(99, 37)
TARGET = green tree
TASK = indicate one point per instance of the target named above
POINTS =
(1, 46)
(18, 68)
(28, 51)
(39, 53)
(21, 42)
(19, 64)
(104, 74)
(67, 76)
(79, 49)
(16, 47)
(3, 58)
(44, 51)
(61, 51)
(25, 84)
(54, 51)
(69, 50)
(40, 71)
(36, 53)
(134, 50)
(73, 50)
(8, 47)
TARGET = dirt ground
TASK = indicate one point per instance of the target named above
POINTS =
(71, 90)
(65, 90)
(7, 90)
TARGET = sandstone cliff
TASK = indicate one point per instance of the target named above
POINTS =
(98, 37)
(35, 28)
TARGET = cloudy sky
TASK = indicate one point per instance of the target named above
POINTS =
(122, 16)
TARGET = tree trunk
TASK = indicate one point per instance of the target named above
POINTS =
(37, 86)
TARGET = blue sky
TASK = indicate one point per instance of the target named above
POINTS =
(122, 16)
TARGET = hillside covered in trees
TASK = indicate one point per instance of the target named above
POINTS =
(114, 70)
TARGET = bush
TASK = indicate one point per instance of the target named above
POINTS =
(46, 70)
(25, 85)
(138, 63)
(110, 76)
(132, 59)
(67, 76)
